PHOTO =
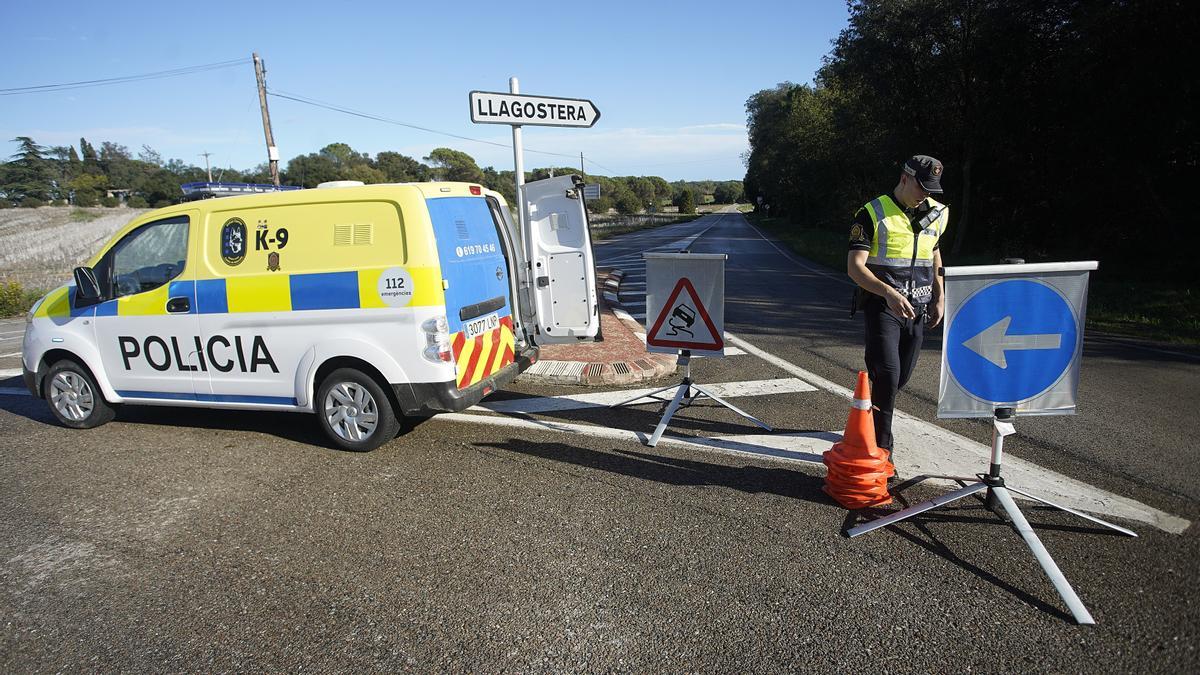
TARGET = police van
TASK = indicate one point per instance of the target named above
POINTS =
(361, 304)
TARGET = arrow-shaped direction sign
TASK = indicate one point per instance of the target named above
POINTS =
(491, 107)
(992, 342)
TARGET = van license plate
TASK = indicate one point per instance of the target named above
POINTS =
(476, 327)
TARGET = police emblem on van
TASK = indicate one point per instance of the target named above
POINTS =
(273, 261)
(233, 241)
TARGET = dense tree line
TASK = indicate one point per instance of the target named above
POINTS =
(37, 175)
(1067, 127)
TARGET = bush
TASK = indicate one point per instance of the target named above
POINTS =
(137, 202)
(86, 198)
(110, 202)
(15, 300)
(58, 202)
(161, 203)
(31, 203)
(81, 216)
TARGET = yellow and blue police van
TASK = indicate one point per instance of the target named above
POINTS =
(363, 304)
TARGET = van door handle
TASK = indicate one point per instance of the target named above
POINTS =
(179, 305)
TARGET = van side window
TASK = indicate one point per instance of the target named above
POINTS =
(145, 259)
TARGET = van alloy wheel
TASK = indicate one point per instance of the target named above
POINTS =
(71, 396)
(75, 399)
(351, 411)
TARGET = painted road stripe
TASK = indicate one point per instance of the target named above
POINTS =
(541, 404)
(6, 373)
(924, 448)
(5, 356)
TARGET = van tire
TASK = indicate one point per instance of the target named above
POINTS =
(74, 399)
(354, 412)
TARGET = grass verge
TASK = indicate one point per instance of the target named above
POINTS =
(602, 233)
(1152, 311)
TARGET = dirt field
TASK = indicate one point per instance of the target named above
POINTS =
(39, 247)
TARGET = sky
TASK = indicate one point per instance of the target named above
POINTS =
(670, 79)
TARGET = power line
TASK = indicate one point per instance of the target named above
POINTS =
(336, 108)
(175, 72)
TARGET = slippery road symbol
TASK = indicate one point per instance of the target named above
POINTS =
(992, 342)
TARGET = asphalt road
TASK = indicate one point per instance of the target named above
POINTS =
(192, 540)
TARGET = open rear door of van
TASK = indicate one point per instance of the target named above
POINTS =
(560, 254)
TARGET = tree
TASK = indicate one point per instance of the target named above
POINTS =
(91, 160)
(365, 174)
(625, 200)
(400, 168)
(310, 170)
(686, 201)
(454, 165)
(159, 187)
(29, 174)
(150, 156)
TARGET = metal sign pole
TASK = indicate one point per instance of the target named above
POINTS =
(518, 160)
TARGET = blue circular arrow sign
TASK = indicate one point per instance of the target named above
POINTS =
(1011, 341)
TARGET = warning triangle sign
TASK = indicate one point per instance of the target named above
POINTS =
(684, 322)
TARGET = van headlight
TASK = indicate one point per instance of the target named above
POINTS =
(29, 314)
(437, 340)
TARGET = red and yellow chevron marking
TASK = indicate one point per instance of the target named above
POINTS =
(485, 355)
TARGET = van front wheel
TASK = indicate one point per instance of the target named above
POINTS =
(74, 398)
(354, 411)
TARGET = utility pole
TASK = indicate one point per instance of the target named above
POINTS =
(272, 152)
(207, 168)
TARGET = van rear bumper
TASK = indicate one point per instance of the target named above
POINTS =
(422, 399)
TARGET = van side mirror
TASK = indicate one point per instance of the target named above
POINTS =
(87, 288)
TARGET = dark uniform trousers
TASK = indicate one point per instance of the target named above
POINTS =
(893, 344)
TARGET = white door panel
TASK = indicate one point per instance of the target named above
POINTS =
(560, 253)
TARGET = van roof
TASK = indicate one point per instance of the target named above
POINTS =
(427, 190)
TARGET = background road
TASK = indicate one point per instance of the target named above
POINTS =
(196, 540)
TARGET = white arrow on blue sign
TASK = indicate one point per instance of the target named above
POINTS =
(1012, 339)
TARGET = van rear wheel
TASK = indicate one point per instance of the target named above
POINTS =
(74, 398)
(354, 412)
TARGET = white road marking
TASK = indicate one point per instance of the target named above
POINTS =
(5, 356)
(13, 332)
(924, 448)
(6, 373)
(541, 404)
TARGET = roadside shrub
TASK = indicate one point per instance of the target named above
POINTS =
(81, 216)
(31, 203)
(86, 198)
(137, 202)
(161, 203)
(110, 202)
(58, 202)
(15, 299)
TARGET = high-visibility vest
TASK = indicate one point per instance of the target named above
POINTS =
(900, 257)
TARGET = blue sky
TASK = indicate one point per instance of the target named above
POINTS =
(670, 79)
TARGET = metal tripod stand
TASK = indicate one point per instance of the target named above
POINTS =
(684, 397)
(998, 497)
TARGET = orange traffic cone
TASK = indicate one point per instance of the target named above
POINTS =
(858, 470)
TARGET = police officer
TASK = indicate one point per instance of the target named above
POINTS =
(894, 259)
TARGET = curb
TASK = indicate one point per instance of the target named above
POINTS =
(644, 367)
